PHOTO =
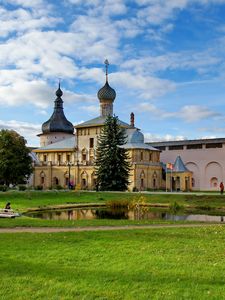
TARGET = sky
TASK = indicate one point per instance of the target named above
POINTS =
(167, 64)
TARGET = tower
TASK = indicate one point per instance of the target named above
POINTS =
(57, 127)
(106, 96)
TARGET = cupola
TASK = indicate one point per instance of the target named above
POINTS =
(106, 96)
(58, 122)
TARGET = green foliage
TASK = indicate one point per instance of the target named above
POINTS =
(175, 207)
(38, 187)
(3, 188)
(57, 187)
(135, 189)
(22, 187)
(112, 161)
(115, 204)
(15, 161)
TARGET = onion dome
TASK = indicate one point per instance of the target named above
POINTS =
(135, 137)
(58, 122)
(106, 92)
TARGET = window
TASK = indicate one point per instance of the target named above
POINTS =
(160, 147)
(212, 145)
(176, 147)
(68, 157)
(194, 146)
(45, 157)
(150, 156)
(59, 158)
(141, 155)
(91, 142)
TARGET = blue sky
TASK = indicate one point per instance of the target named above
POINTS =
(167, 63)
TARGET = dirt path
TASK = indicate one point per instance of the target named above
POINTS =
(98, 228)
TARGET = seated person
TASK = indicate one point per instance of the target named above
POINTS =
(7, 206)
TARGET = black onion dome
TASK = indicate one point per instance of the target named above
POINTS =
(58, 122)
(106, 92)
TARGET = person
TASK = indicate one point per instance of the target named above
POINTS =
(7, 206)
(221, 188)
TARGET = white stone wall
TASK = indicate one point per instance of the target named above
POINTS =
(207, 165)
(51, 138)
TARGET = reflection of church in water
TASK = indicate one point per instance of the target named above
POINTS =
(66, 156)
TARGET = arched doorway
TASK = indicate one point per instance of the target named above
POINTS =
(42, 179)
(214, 182)
(142, 179)
(55, 181)
(84, 180)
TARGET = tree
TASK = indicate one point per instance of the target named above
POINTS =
(112, 162)
(15, 161)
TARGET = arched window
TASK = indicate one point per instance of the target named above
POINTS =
(84, 154)
(55, 181)
(42, 178)
(214, 182)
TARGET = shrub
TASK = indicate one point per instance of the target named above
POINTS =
(135, 189)
(115, 204)
(38, 187)
(175, 207)
(3, 188)
(57, 187)
(22, 187)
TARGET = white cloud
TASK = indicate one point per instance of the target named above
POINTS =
(146, 87)
(188, 113)
(92, 109)
(25, 129)
(37, 93)
(149, 137)
(193, 113)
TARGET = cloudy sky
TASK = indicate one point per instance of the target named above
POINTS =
(167, 63)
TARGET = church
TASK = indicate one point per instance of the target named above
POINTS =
(66, 154)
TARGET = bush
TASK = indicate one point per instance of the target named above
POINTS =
(117, 204)
(22, 187)
(3, 188)
(135, 189)
(57, 187)
(38, 188)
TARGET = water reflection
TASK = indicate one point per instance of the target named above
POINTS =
(140, 213)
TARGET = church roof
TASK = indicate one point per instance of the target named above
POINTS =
(138, 146)
(58, 122)
(99, 121)
(106, 92)
(179, 165)
(65, 144)
(135, 140)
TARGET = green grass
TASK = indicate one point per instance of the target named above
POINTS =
(22, 200)
(172, 263)
(35, 222)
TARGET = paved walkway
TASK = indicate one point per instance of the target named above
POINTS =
(99, 228)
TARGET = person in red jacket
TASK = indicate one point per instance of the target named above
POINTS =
(221, 188)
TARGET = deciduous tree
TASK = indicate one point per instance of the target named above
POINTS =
(15, 161)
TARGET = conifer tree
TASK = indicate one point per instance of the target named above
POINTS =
(112, 162)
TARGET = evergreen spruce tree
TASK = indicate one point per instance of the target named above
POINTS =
(112, 162)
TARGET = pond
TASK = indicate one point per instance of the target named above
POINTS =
(143, 213)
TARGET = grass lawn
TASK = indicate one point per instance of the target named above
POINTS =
(172, 263)
(21, 201)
